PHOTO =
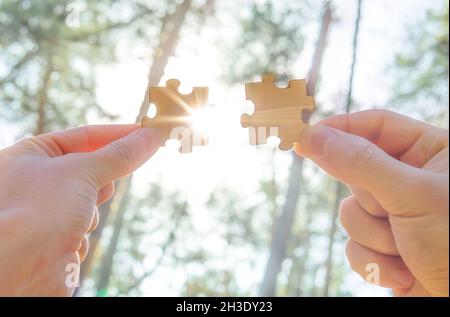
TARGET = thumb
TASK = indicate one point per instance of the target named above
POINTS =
(122, 156)
(358, 162)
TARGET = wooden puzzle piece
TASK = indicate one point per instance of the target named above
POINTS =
(278, 111)
(174, 113)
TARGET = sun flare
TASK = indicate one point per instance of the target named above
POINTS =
(203, 121)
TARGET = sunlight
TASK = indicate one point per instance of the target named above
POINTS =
(203, 121)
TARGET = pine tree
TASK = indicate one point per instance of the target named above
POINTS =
(420, 70)
(51, 50)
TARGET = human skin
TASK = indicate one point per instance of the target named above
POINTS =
(50, 187)
(397, 216)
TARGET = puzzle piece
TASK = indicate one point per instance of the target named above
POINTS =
(174, 111)
(278, 111)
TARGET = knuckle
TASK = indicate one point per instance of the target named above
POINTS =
(28, 143)
(373, 207)
(344, 210)
(349, 252)
(123, 153)
(411, 188)
(93, 179)
(42, 143)
(73, 241)
(363, 155)
(85, 244)
(383, 112)
(81, 220)
(95, 221)
(84, 249)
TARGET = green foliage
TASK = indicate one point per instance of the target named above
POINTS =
(244, 226)
(213, 283)
(422, 66)
(49, 53)
(148, 240)
(269, 40)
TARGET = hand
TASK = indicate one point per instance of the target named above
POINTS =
(397, 216)
(50, 188)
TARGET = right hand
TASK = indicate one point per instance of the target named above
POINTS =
(398, 214)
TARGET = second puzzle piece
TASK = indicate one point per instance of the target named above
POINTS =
(278, 111)
(174, 113)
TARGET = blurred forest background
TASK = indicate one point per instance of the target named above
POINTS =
(228, 219)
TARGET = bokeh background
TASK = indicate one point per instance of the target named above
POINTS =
(228, 219)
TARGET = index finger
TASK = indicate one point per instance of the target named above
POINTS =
(89, 138)
(397, 135)
(409, 140)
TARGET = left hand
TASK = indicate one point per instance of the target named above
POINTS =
(50, 188)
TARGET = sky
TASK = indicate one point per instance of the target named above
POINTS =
(228, 160)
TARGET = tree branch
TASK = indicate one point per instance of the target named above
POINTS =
(165, 246)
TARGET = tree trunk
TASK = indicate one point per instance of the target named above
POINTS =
(301, 268)
(43, 98)
(329, 261)
(283, 225)
(340, 189)
(168, 41)
(170, 31)
(108, 259)
(281, 232)
(169, 38)
(167, 46)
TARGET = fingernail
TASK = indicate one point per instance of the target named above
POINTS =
(404, 277)
(320, 136)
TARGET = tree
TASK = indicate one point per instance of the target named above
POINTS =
(170, 29)
(158, 216)
(270, 39)
(421, 69)
(314, 202)
(283, 225)
(340, 188)
(168, 26)
(171, 25)
(49, 82)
